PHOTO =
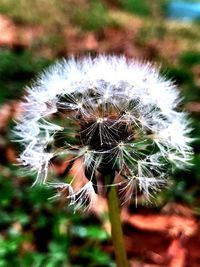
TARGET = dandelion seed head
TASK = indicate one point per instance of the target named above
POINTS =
(117, 116)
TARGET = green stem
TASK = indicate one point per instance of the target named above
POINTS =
(116, 228)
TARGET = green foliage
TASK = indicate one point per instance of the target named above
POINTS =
(36, 232)
(150, 32)
(89, 15)
(29, 12)
(190, 58)
(100, 259)
(184, 188)
(178, 74)
(92, 18)
(139, 7)
(91, 231)
(16, 70)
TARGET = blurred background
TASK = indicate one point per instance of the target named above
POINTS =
(35, 231)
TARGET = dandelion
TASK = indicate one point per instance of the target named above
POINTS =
(116, 116)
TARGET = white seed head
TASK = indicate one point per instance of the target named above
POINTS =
(118, 116)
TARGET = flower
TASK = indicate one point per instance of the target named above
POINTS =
(116, 116)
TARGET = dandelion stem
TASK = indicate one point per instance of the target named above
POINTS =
(116, 228)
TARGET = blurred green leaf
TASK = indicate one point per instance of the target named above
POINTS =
(190, 58)
(91, 232)
(16, 70)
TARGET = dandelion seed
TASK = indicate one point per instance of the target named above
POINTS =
(118, 116)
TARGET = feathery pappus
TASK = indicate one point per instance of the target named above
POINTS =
(116, 116)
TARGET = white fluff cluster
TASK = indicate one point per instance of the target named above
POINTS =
(117, 116)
